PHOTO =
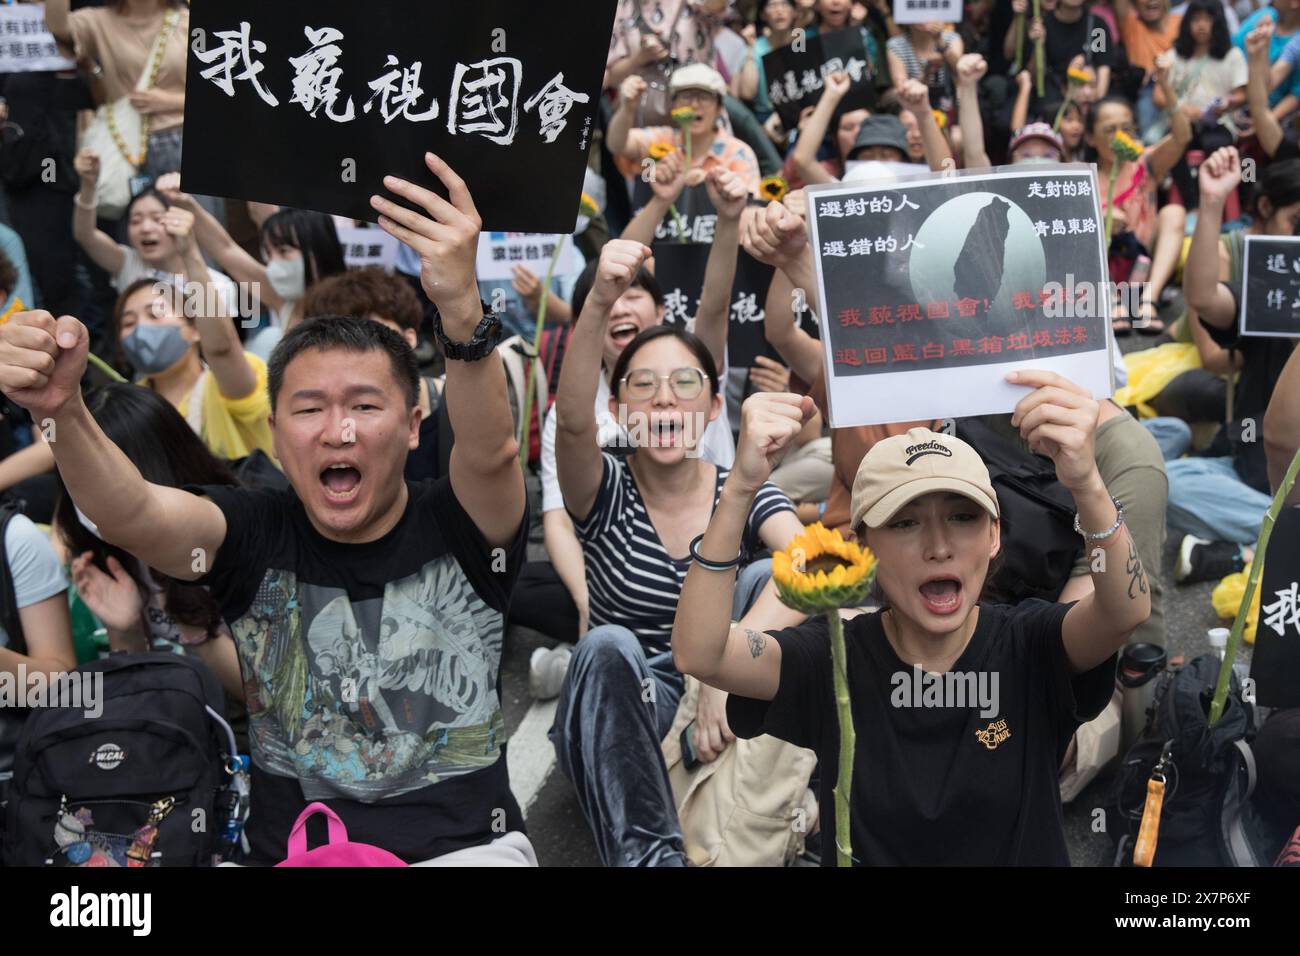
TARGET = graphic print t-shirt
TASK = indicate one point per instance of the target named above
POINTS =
(940, 786)
(371, 671)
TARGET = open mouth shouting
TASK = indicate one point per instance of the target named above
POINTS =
(341, 483)
(621, 333)
(942, 594)
(667, 433)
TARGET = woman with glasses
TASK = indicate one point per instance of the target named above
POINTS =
(636, 518)
(699, 88)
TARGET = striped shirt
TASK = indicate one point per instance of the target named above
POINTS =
(631, 579)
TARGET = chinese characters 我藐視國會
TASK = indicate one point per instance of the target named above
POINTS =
(484, 96)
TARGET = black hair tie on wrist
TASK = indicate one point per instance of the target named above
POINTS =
(711, 565)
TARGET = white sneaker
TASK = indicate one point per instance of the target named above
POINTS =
(546, 670)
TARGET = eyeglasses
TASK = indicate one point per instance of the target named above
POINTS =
(694, 97)
(643, 383)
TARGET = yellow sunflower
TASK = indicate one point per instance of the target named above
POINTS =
(683, 115)
(773, 188)
(661, 150)
(1078, 77)
(587, 206)
(1125, 146)
(940, 117)
(820, 571)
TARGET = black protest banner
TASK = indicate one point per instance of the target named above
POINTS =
(934, 288)
(679, 269)
(1270, 290)
(681, 249)
(796, 74)
(1275, 665)
(311, 104)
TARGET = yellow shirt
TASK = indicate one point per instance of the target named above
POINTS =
(233, 427)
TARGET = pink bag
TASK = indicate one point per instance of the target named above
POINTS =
(339, 851)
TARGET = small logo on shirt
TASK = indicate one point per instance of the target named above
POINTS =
(108, 756)
(927, 448)
(994, 734)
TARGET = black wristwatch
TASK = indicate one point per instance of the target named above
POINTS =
(485, 338)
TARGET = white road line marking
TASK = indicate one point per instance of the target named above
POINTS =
(531, 756)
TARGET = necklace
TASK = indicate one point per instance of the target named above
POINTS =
(155, 67)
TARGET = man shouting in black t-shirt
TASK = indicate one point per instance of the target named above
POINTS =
(368, 611)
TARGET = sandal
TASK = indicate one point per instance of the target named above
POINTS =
(1150, 323)
(1120, 322)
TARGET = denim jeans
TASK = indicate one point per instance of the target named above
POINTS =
(615, 707)
(1206, 496)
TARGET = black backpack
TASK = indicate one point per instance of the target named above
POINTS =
(1207, 818)
(1039, 543)
(86, 790)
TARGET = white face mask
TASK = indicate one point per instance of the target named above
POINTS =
(288, 277)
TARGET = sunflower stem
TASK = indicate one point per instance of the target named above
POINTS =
(1065, 105)
(1252, 582)
(1110, 200)
(1020, 43)
(537, 347)
(848, 740)
(1038, 51)
(104, 367)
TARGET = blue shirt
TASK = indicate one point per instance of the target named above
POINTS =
(1276, 46)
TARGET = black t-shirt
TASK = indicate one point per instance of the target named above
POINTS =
(1063, 42)
(1263, 358)
(371, 671)
(932, 785)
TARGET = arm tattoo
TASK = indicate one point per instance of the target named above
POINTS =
(756, 642)
(1137, 581)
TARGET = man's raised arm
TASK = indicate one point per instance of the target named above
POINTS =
(485, 472)
(41, 364)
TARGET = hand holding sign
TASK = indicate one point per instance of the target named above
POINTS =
(619, 262)
(776, 236)
(42, 361)
(446, 240)
(769, 422)
(1058, 419)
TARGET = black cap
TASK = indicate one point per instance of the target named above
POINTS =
(881, 130)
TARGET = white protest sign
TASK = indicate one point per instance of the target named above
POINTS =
(26, 45)
(927, 11)
(933, 288)
(367, 246)
(500, 252)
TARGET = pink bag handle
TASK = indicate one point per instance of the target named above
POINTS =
(338, 833)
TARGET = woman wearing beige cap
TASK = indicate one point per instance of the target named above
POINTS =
(962, 710)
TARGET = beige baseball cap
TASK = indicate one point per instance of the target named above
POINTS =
(901, 469)
(697, 76)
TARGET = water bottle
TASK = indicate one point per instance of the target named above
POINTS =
(1139, 666)
(1218, 637)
